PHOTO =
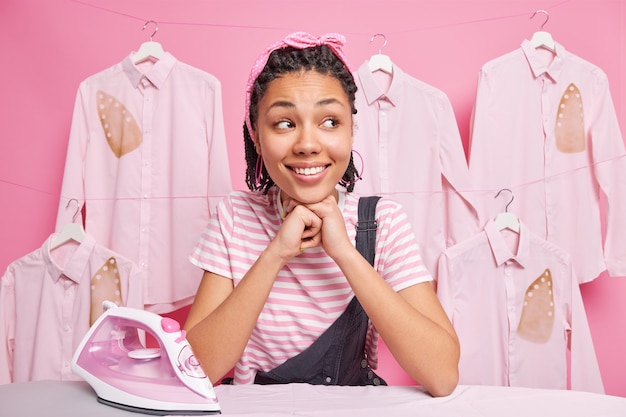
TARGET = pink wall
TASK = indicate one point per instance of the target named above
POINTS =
(49, 46)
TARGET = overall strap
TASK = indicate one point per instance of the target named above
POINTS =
(366, 228)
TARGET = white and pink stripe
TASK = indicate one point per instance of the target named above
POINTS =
(310, 292)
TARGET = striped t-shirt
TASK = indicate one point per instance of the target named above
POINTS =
(310, 292)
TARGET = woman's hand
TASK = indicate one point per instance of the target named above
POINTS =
(310, 225)
(300, 230)
(319, 223)
(333, 234)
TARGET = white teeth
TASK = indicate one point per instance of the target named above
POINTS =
(308, 171)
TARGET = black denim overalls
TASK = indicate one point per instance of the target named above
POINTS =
(337, 357)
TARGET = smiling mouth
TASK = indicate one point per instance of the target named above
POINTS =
(309, 170)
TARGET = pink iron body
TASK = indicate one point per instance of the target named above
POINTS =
(124, 373)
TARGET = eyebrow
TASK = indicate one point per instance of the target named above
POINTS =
(322, 102)
(327, 101)
(282, 103)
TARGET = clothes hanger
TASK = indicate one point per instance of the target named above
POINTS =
(71, 231)
(150, 49)
(507, 220)
(541, 38)
(380, 61)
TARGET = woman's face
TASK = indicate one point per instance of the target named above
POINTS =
(304, 134)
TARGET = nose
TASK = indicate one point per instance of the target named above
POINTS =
(307, 141)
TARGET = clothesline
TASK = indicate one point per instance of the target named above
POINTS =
(369, 34)
(474, 191)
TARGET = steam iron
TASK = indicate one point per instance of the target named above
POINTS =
(124, 373)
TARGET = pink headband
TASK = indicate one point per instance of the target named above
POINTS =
(298, 40)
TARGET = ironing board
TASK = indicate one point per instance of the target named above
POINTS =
(77, 399)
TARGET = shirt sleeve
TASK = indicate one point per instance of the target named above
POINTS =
(132, 291)
(609, 158)
(585, 371)
(444, 284)
(478, 166)
(211, 252)
(72, 189)
(219, 181)
(398, 258)
(461, 218)
(7, 326)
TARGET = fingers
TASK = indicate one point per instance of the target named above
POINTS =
(288, 206)
(311, 242)
(333, 235)
(312, 226)
(308, 218)
(312, 236)
(300, 229)
(316, 221)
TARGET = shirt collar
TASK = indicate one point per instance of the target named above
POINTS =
(373, 92)
(500, 249)
(157, 74)
(75, 266)
(537, 63)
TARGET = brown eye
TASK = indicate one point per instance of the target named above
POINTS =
(284, 124)
(330, 123)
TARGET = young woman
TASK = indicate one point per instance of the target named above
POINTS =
(286, 296)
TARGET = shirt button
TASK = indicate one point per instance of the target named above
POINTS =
(66, 328)
(370, 375)
(376, 381)
(328, 380)
(364, 363)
